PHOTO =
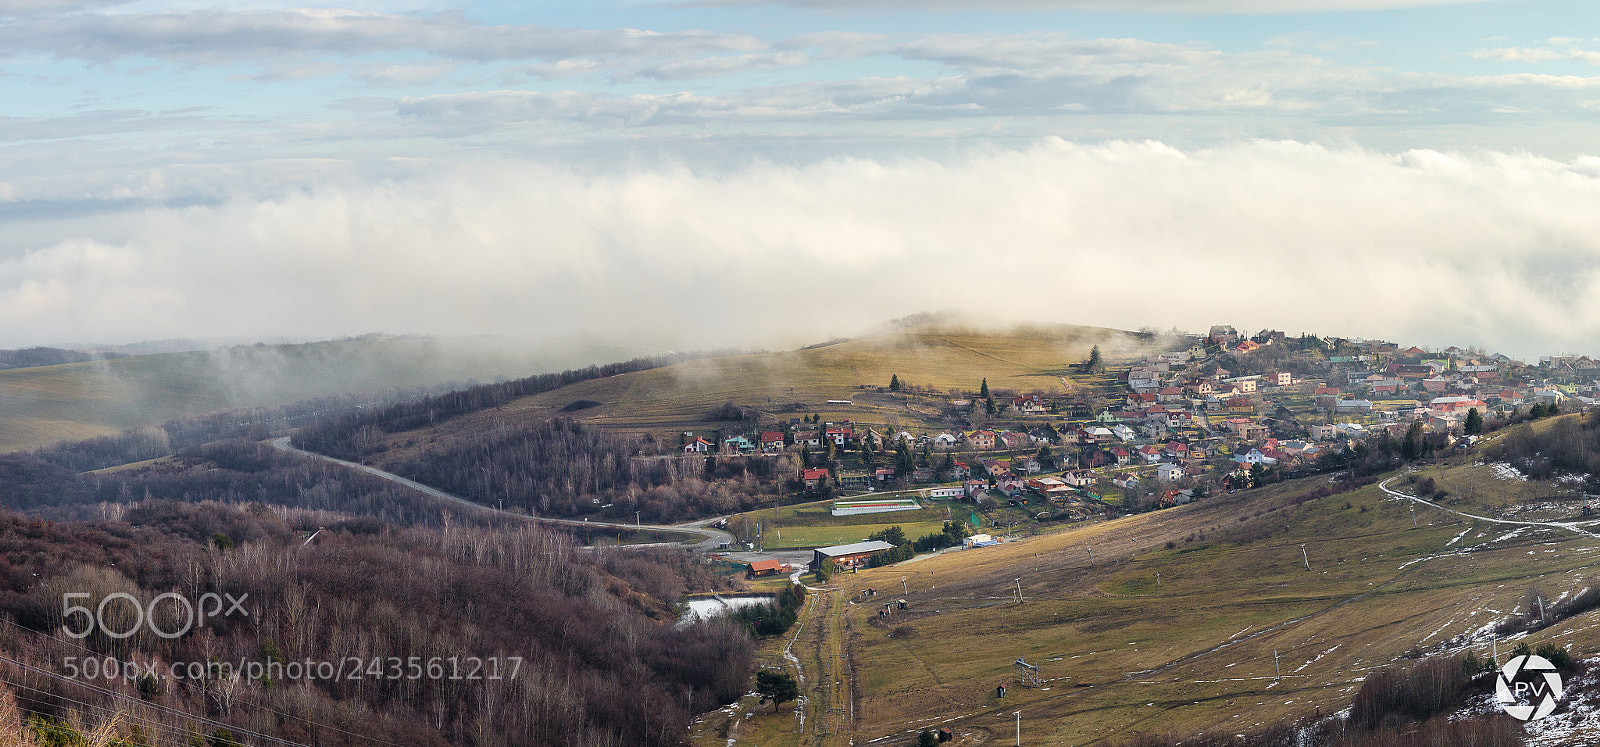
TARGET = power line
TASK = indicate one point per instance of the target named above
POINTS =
(252, 704)
(153, 706)
(113, 711)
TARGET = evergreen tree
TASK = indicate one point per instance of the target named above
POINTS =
(983, 391)
(904, 461)
(868, 459)
(988, 405)
(778, 687)
(1474, 423)
(1411, 448)
(1095, 364)
(894, 383)
(805, 456)
(893, 535)
(927, 739)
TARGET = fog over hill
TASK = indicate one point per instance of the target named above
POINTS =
(41, 405)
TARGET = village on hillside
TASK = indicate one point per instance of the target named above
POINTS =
(1214, 413)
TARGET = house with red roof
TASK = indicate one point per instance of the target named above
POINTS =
(814, 477)
(771, 442)
(1029, 405)
(697, 445)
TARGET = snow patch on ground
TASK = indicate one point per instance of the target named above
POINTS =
(1510, 535)
(1319, 657)
(1577, 720)
(1505, 471)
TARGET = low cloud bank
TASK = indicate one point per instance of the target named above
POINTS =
(1494, 249)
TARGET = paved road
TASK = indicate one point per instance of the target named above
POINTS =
(714, 538)
(1571, 526)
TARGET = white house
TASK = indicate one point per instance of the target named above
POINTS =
(1169, 472)
(697, 446)
(1254, 457)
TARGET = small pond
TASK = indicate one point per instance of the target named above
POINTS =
(707, 607)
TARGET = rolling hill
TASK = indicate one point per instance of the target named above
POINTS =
(46, 404)
(1187, 617)
(671, 399)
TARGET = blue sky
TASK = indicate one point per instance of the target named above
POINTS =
(147, 150)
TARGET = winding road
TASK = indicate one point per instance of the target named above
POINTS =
(714, 538)
(1572, 526)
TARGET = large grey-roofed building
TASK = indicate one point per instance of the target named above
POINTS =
(848, 556)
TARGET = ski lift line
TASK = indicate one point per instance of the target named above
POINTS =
(240, 701)
(163, 709)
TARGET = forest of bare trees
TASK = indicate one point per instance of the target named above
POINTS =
(600, 659)
(1570, 445)
(560, 467)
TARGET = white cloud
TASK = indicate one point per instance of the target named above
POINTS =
(1494, 249)
(215, 36)
(1196, 7)
(1540, 54)
(288, 72)
(705, 67)
(383, 75)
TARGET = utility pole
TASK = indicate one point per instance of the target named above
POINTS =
(903, 588)
(1413, 506)
(1494, 652)
(1091, 555)
(1541, 609)
(636, 521)
(1305, 557)
(1019, 592)
(1277, 671)
(1019, 728)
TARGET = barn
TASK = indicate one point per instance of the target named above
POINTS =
(848, 556)
(766, 568)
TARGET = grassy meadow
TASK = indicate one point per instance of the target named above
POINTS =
(1125, 652)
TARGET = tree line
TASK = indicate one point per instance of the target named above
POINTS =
(341, 435)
